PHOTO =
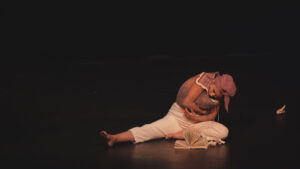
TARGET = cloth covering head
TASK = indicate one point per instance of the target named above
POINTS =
(227, 87)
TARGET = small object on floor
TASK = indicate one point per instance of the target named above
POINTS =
(192, 140)
(215, 142)
(212, 143)
(281, 110)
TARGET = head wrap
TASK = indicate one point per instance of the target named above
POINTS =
(227, 87)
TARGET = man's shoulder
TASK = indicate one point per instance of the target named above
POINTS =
(210, 74)
(205, 78)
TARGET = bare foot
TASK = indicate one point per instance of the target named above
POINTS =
(110, 139)
(178, 135)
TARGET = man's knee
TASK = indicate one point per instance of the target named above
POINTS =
(213, 129)
(221, 130)
(224, 132)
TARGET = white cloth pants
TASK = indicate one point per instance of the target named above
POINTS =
(176, 121)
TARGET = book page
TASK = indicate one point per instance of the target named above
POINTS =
(201, 143)
(191, 135)
(192, 140)
(181, 144)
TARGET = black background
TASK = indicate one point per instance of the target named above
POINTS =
(72, 68)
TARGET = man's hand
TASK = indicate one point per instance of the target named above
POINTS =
(193, 93)
(191, 115)
(202, 112)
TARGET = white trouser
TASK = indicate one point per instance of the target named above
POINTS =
(176, 121)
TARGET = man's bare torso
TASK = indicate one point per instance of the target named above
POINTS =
(203, 101)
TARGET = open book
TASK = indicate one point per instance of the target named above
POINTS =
(192, 140)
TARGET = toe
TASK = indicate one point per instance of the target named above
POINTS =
(103, 133)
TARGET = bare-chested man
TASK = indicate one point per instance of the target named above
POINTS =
(197, 105)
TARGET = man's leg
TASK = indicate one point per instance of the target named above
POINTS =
(115, 138)
(177, 135)
(158, 129)
(212, 130)
(168, 127)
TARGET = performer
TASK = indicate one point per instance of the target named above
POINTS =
(197, 105)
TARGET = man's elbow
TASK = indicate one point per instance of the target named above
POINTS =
(185, 103)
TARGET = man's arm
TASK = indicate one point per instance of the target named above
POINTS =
(193, 93)
(191, 115)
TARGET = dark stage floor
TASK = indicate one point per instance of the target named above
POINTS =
(51, 112)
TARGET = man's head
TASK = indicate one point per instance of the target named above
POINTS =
(223, 86)
(213, 92)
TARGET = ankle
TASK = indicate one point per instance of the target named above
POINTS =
(114, 138)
